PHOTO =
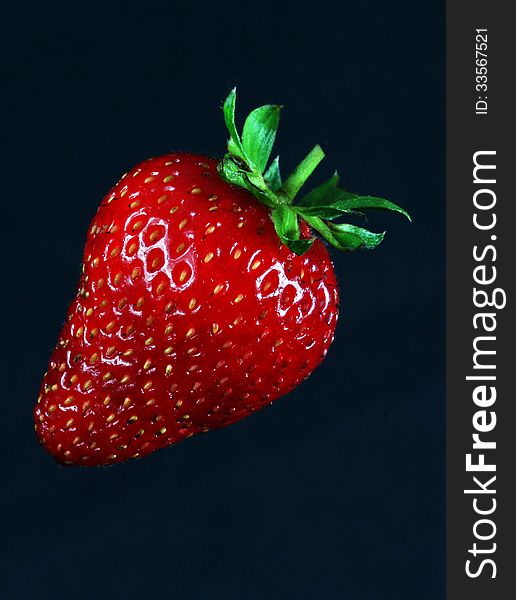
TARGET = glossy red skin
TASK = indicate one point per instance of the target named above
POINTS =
(190, 314)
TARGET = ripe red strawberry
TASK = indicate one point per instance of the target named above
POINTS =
(195, 308)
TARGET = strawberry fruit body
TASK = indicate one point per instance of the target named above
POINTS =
(194, 307)
(190, 315)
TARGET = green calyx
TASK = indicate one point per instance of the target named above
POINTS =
(245, 165)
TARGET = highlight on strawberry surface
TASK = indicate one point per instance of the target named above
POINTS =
(205, 294)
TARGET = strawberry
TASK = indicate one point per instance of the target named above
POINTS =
(203, 297)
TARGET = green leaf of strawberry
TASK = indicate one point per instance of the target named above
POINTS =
(272, 176)
(344, 236)
(259, 134)
(286, 223)
(329, 201)
(234, 143)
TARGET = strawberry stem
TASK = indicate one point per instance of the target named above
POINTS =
(245, 165)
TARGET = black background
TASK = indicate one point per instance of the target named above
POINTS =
(337, 490)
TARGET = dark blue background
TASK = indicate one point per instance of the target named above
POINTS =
(335, 492)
